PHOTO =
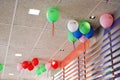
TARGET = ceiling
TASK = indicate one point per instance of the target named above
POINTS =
(31, 36)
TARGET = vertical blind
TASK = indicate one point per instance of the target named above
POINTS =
(100, 62)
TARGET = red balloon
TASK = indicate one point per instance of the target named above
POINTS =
(25, 64)
(54, 64)
(115, 75)
(35, 61)
(30, 67)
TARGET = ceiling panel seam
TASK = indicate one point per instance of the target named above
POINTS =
(94, 8)
(9, 38)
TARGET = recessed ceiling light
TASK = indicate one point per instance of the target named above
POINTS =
(34, 11)
(92, 17)
(18, 55)
(11, 74)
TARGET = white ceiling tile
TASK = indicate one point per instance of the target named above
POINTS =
(105, 8)
(2, 53)
(49, 45)
(115, 1)
(10, 69)
(6, 11)
(23, 18)
(24, 37)
(12, 58)
(76, 9)
(4, 34)
(50, 41)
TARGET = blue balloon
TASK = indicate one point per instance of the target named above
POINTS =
(118, 74)
(77, 34)
(90, 34)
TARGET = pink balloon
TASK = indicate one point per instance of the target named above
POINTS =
(106, 20)
(48, 66)
(19, 67)
(83, 39)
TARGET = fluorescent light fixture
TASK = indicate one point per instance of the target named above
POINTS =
(18, 55)
(92, 17)
(34, 12)
(11, 74)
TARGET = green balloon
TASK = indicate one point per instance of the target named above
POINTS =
(38, 71)
(84, 27)
(52, 14)
(108, 72)
(71, 37)
(1, 67)
(43, 68)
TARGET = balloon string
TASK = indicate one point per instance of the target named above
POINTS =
(52, 29)
(84, 46)
(73, 45)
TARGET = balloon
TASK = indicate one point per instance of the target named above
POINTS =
(25, 64)
(30, 67)
(83, 39)
(84, 27)
(106, 20)
(118, 74)
(115, 75)
(90, 34)
(35, 61)
(77, 34)
(48, 66)
(52, 14)
(1, 67)
(38, 71)
(54, 64)
(71, 37)
(42, 67)
(108, 72)
(19, 67)
(72, 25)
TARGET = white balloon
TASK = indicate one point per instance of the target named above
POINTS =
(72, 25)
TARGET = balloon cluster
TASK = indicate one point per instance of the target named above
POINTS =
(1, 67)
(81, 31)
(30, 65)
(46, 67)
